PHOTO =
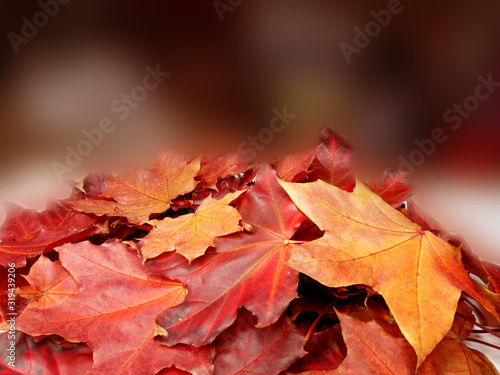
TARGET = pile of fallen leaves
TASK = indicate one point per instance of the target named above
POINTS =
(211, 266)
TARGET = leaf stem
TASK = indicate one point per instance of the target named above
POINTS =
(483, 331)
(306, 338)
(478, 312)
(484, 343)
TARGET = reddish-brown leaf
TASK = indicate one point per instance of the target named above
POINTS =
(214, 168)
(371, 350)
(326, 351)
(173, 371)
(28, 233)
(114, 312)
(10, 300)
(308, 302)
(245, 349)
(190, 235)
(294, 166)
(247, 269)
(137, 194)
(422, 218)
(333, 162)
(451, 356)
(494, 272)
(368, 242)
(44, 357)
(392, 188)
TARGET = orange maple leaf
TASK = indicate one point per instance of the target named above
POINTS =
(51, 281)
(190, 235)
(368, 242)
(137, 194)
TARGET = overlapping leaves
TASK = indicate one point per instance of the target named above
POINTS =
(211, 266)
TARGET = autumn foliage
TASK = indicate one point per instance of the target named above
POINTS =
(208, 265)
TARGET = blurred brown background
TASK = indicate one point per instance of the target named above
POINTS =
(227, 76)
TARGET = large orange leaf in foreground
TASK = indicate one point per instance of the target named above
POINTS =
(137, 194)
(114, 312)
(368, 242)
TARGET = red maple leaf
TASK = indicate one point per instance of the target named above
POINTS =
(246, 269)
